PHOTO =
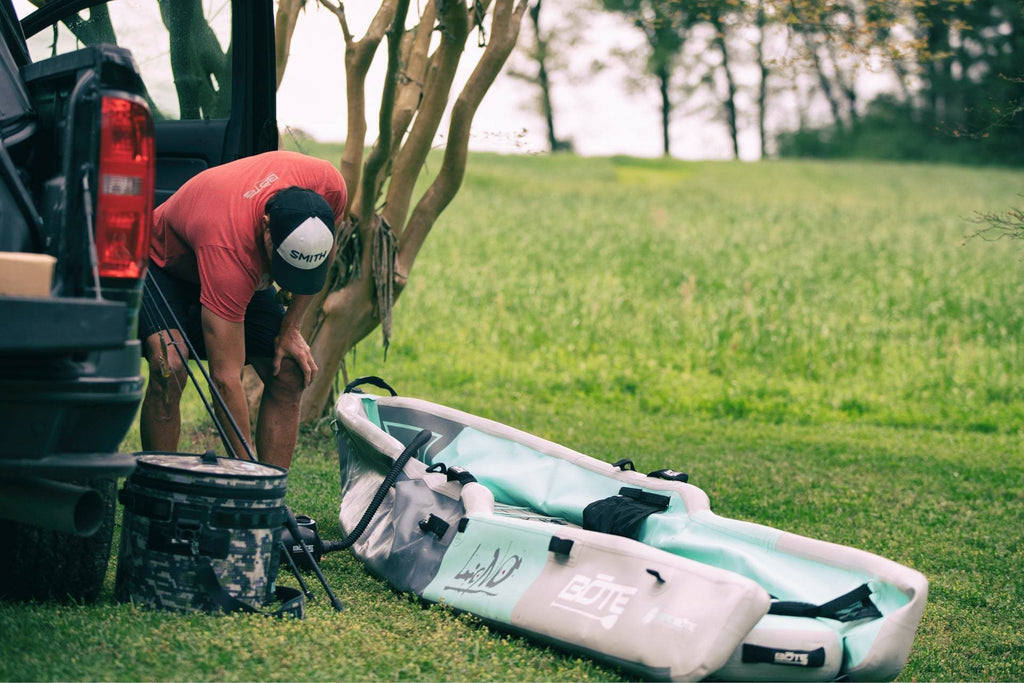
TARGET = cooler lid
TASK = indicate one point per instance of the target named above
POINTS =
(211, 465)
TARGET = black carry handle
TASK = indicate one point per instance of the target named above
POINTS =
(371, 379)
(294, 602)
(850, 606)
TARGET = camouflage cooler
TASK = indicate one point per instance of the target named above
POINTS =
(187, 514)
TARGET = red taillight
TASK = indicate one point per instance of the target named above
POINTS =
(124, 208)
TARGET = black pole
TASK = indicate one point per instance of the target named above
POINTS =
(209, 382)
(293, 527)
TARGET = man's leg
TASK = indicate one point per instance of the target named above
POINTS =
(277, 427)
(277, 422)
(160, 415)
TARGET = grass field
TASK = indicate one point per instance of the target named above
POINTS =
(815, 343)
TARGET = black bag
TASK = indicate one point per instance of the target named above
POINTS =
(623, 514)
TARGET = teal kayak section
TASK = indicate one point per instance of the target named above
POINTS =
(488, 567)
(518, 475)
(372, 413)
(749, 550)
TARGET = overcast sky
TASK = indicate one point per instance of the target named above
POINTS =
(600, 115)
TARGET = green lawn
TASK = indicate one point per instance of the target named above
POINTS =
(813, 342)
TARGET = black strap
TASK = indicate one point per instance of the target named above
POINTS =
(655, 500)
(163, 510)
(560, 546)
(848, 607)
(434, 525)
(292, 599)
(758, 654)
(670, 475)
(459, 474)
(624, 464)
(624, 514)
(240, 518)
(372, 380)
(185, 539)
(157, 509)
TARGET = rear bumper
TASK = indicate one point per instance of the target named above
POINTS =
(75, 416)
(67, 467)
(60, 325)
(66, 405)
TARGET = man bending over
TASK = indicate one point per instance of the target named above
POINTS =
(218, 245)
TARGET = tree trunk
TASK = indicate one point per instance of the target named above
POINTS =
(543, 80)
(806, 31)
(358, 58)
(284, 28)
(197, 62)
(663, 75)
(347, 314)
(762, 89)
(845, 83)
(730, 97)
(823, 80)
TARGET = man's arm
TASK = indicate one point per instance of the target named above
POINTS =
(225, 350)
(291, 344)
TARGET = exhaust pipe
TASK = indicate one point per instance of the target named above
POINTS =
(52, 504)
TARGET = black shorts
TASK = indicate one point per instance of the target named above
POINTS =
(263, 316)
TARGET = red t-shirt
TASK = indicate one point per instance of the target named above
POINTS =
(210, 231)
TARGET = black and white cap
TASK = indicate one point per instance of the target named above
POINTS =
(301, 230)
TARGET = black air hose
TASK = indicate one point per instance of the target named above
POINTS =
(418, 442)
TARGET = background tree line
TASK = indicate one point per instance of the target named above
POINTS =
(947, 75)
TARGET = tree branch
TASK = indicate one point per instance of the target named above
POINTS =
(371, 183)
(284, 29)
(504, 32)
(412, 85)
(358, 57)
(437, 89)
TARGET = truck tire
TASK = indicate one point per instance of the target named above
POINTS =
(40, 564)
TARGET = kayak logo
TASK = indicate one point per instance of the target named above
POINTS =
(598, 598)
(662, 618)
(793, 658)
(480, 576)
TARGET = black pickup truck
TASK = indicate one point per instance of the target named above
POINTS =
(106, 108)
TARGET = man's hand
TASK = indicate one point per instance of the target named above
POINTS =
(291, 344)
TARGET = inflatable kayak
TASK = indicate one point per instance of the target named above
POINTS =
(632, 569)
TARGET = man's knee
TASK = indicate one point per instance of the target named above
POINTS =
(167, 371)
(288, 382)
